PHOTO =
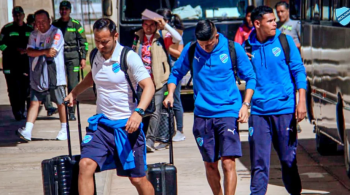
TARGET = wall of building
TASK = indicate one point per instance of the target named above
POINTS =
(31, 6)
(4, 13)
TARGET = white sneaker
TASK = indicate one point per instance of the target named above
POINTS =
(23, 134)
(62, 135)
(179, 136)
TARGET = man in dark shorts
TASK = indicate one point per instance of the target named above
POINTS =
(114, 137)
(218, 103)
(46, 42)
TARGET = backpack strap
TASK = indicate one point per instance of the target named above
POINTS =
(247, 47)
(190, 54)
(285, 47)
(231, 47)
(124, 68)
(91, 58)
(161, 41)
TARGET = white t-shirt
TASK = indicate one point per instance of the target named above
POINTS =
(114, 95)
(53, 38)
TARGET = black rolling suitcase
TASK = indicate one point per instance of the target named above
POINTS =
(60, 174)
(163, 175)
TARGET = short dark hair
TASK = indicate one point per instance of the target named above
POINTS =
(30, 18)
(259, 12)
(205, 30)
(174, 20)
(285, 4)
(41, 11)
(105, 23)
(249, 9)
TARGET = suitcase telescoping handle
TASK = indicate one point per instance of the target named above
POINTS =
(68, 130)
(171, 118)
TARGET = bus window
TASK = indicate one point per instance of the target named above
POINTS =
(295, 9)
(307, 10)
(326, 10)
(186, 9)
(315, 10)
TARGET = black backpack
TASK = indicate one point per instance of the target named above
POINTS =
(284, 42)
(285, 47)
(231, 46)
(124, 67)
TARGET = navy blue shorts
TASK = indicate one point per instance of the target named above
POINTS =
(100, 146)
(217, 137)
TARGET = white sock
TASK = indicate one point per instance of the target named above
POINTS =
(29, 127)
(63, 126)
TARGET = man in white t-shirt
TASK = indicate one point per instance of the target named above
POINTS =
(114, 138)
(46, 44)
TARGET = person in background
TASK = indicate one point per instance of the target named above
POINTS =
(285, 24)
(246, 28)
(47, 103)
(174, 51)
(152, 48)
(46, 43)
(13, 42)
(75, 47)
(31, 20)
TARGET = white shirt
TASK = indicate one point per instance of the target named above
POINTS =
(53, 38)
(114, 95)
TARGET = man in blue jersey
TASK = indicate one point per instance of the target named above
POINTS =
(218, 103)
(274, 114)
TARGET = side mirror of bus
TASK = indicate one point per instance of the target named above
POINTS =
(107, 7)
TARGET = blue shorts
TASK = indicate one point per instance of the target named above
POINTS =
(102, 149)
(217, 137)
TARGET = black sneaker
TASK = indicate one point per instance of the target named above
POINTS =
(150, 146)
(162, 146)
(72, 117)
(52, 111)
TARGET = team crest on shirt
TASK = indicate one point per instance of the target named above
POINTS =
(116, 67)
(224, 58)
(87, 139)
(251, 131)
(57, 36)
(200, 141)
(276, 51)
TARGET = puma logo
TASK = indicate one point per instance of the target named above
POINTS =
(197, 58)
(232, 131)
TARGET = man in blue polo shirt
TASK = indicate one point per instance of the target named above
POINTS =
(274, 112)
(218, 103)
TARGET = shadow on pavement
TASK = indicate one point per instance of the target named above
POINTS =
(8, 127)
(314, 169)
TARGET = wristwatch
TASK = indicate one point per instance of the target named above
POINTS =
(140, 111)
(247, 104)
